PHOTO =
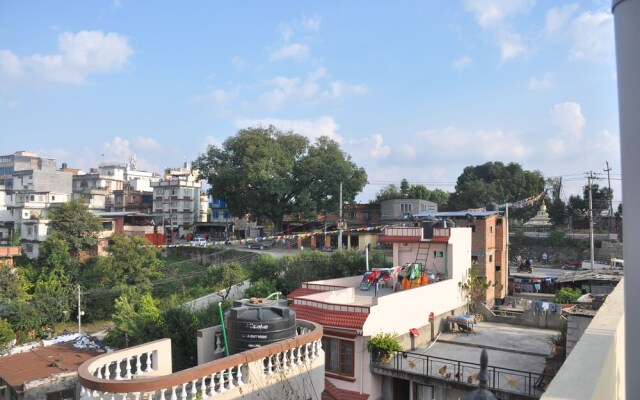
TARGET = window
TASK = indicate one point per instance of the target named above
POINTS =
(498, 268)
(29, 248)
(490, 258)
(215, 214)
(438, 254)
(474, 260)
(405, 208)
(491, 229)
(366, 215)
(352, 215)
(29, 231)
(338, 356)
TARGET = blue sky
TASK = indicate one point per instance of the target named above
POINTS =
(411, 89)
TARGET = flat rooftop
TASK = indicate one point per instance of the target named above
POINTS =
(43, 362)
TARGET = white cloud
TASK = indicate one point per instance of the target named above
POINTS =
(323, 126)
(556, 147)
(546, 82)
(461, 63)
(492, 12)
(294, 51)
(148, 144)
(82, 54)
(286, 88)
(10, 66)
(489, 144)
(510, 44)
(593, 37)
(286, 31)
(492, 15)
(117, 149)
(338, 89)
(557, 17)
(607, 143)
(409, 151)
(377, 148)
(569, 119)
(311, 24)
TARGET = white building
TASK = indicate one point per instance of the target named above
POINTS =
(178, 198)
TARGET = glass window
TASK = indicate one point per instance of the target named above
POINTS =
(338, 355)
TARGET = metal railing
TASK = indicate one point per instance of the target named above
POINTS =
(500, 379)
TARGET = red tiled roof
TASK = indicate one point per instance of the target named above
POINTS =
(42, 362)
(331, 392)
(341, 319)
(302, 292)
(440, 239)
(398, 239)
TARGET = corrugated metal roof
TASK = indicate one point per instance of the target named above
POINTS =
(445, 214)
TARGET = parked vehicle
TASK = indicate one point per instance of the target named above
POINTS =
(572, 265)
(199, 242)
(262, 245)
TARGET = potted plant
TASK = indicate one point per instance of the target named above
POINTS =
(382, 346)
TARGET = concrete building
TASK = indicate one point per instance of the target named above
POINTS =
(489, 233)
(32, 185)
(178, 198)
(401, 210)
(351, 313)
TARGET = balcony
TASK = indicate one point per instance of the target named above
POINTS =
(290, 368)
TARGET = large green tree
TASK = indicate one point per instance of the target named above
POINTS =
(266, 173)
(407, 191)
(130, 262)
(76, 225)
(578, 207)
(495, 182)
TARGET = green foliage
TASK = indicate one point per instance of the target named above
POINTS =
(76, 225)
(52, 297)
(475, 287)
(384, 343)
(130, 262)
(493, 182)
(15, 239)
(54, 260)
(567, 295)
(136, 320)
(558, 342)
(266, 173)
(558, 212)
(407, 191)
(226, 276)
(578, 207)
(25, 319)
(6, 333)
(557, 239)
(261, 288)
(13, 286)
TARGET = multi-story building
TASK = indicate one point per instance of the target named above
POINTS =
(32, 185)
(178, 198)
(351, 313)
(489, 237)
(98, 187)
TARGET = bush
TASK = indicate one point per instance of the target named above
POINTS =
(567, 295)
(6, 333)
(384, 343)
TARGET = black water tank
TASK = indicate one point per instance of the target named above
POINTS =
(254, 325)
(427, 228)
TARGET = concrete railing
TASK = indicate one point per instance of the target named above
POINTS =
(595, 369)
(294, 365)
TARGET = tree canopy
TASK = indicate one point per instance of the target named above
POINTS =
(76, 225)
(266, 173)
(408, 191)
(494, 182)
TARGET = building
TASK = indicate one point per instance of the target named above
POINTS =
(178, 199)
(32, 185)
(48, 372)
(351, 313)
(489, 240)
(394, 211)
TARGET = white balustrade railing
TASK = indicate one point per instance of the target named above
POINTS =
(144, 372)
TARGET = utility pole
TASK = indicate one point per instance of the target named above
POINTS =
(340, 221)
(79, 313)
(610, 199)
(591, 226)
